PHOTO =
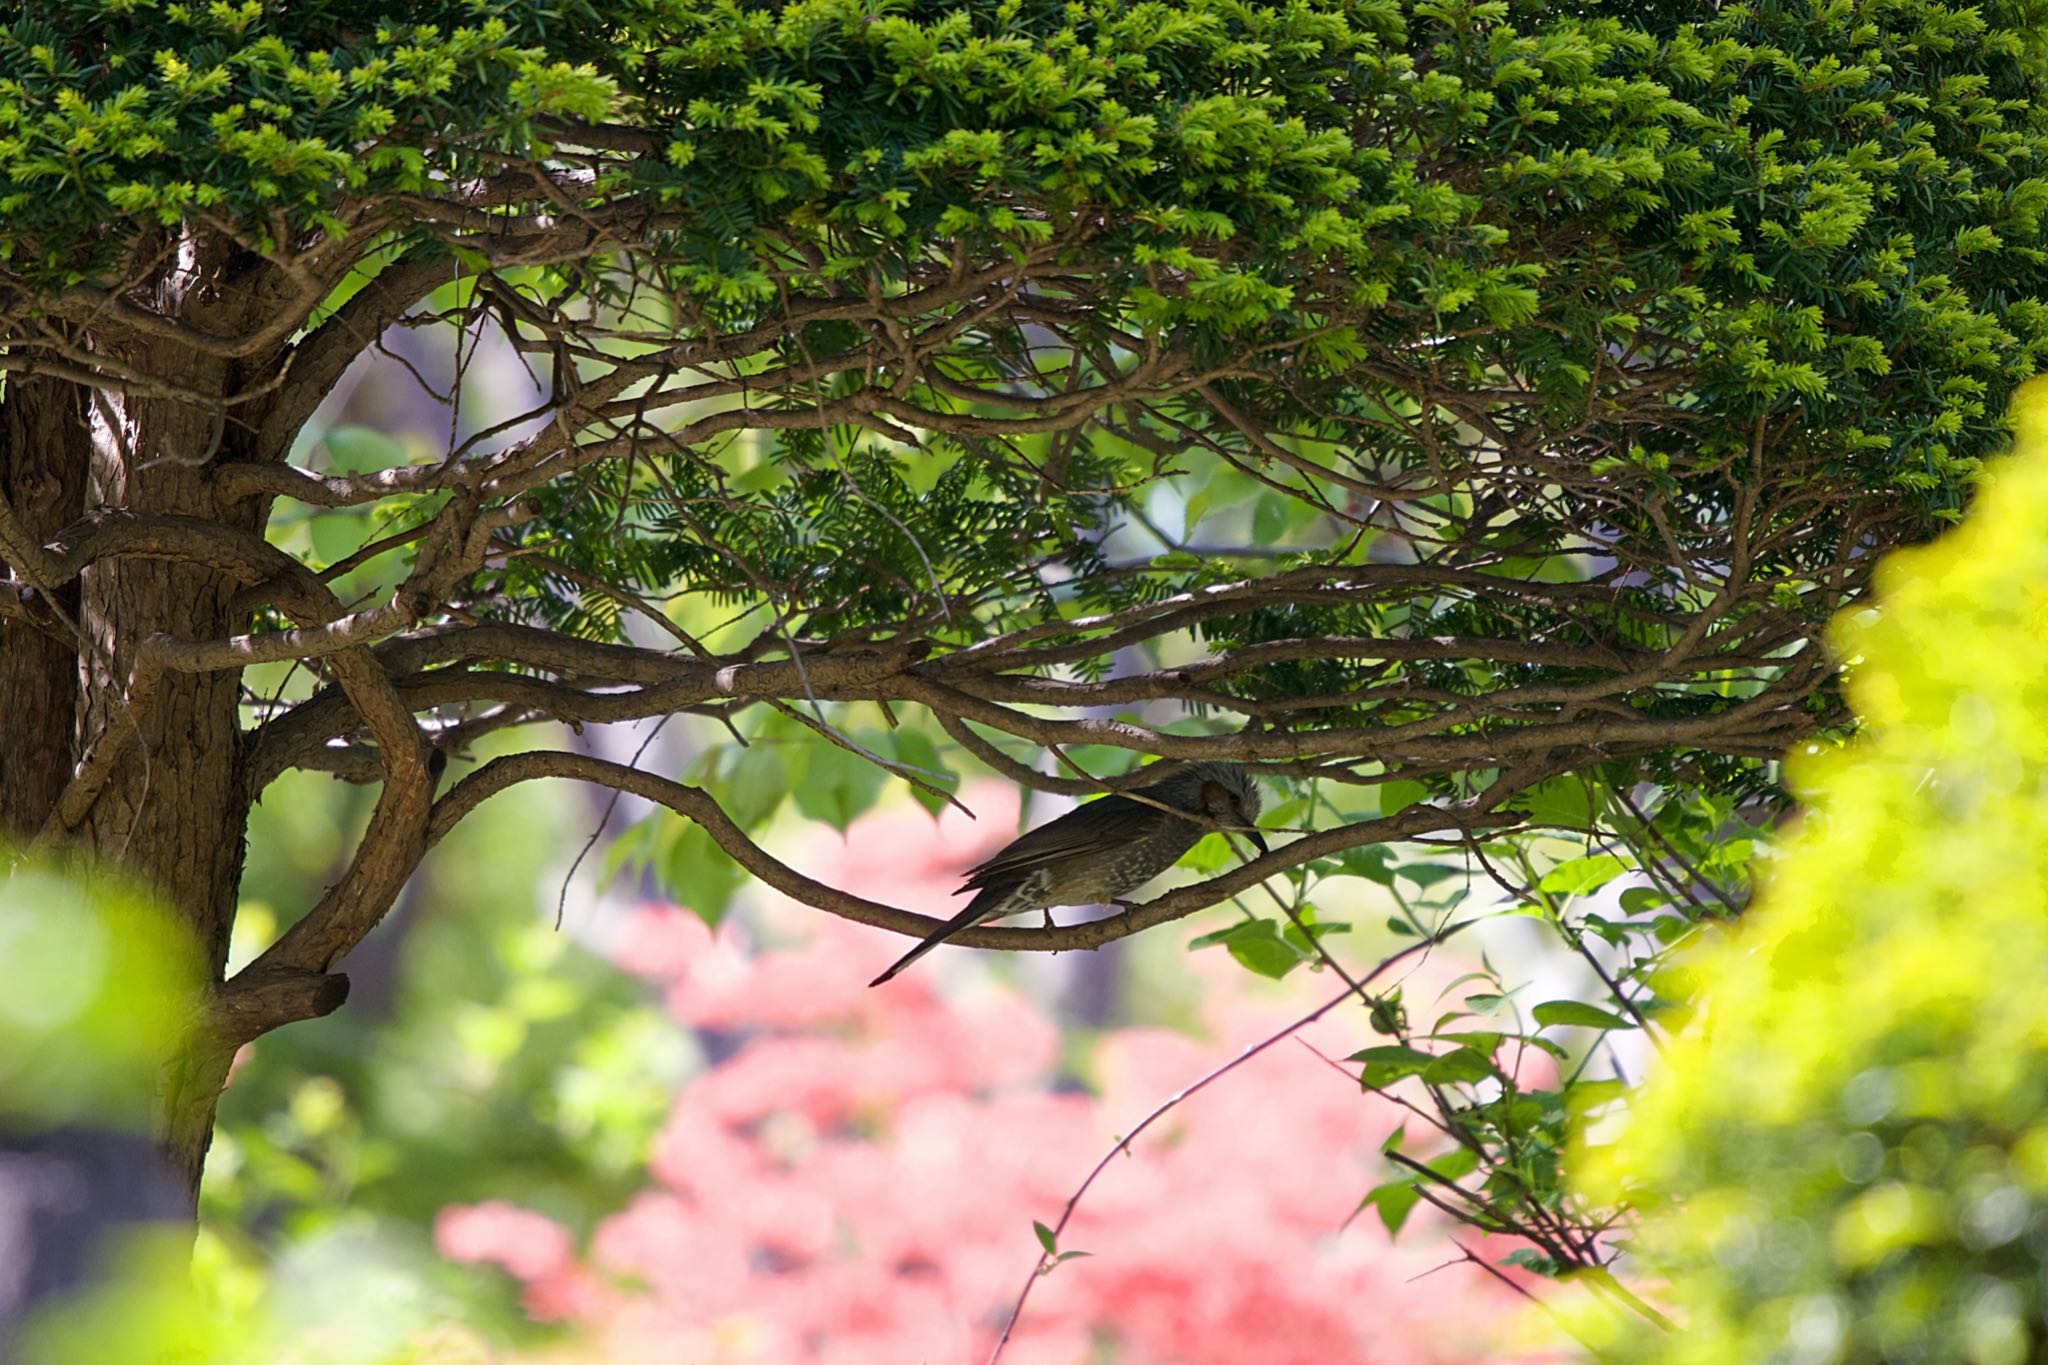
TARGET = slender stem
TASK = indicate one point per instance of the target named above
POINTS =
(1046, 1259)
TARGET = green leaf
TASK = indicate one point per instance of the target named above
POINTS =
(1300, 941)
(1426, 875)
(1581, 1096)
(1046, 1238)
(1461, 1065)
(1269, 521)
(1605, 928)
(1389, 1063)
(1262, 950)
(696, 871)
(337, 535)
(915, 748)
(1483, 1042)
(1399, 795)
(1533, 1261)
(763, 476)
(633, 849)
(1388, 1014)
(1258, 946)
(1372, 862)
(758, 783)
(1581, 875)
(1459, 1161)
(1562, 801)
(1639, 900)
(1211, 853)
(837, 785)
(1578, 1014)
(1393, 1200)
(361, 450)
(1670, 929)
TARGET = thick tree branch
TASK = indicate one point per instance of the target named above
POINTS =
(391, 847)
(699, 807)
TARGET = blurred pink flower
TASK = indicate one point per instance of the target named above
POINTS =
(661, 940)
(854, 1181)
(527, 1244)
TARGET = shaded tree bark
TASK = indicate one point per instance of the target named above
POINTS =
(44, 456)
(174, 803)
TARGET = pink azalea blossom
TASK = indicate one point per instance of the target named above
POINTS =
(527, 1244)
(855, 1182)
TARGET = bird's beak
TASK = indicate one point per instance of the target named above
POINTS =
(1258, 841)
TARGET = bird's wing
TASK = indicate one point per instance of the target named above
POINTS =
(1101, 824)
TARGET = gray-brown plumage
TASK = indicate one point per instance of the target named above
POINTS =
(1098, 852)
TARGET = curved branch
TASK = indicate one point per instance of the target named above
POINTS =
(669, 684)
(320, 360)
(698, 806)
(390, 848)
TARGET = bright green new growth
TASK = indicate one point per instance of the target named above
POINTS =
(1856, 1139)
(1669, 233)
(95, 998)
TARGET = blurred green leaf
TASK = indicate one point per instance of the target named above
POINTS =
(362, 450)
(1577, 1014)
(96, 984)
(913, 747)
(1563, 802)
(1637, 900)
(1399, 795)
(1389, 1063)
(837, 785)
(697, 871)
(757, 786)
(1393, 1200)
(1374, 862)
(1581, 875)
(1460, 1065)
(1426, 875)
(1535, 1262)
(1258, 946)
(1269, 520)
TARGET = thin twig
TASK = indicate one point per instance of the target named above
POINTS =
(1123, 1144)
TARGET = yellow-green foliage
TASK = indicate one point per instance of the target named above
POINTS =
(97, 986)
(1855, 1138)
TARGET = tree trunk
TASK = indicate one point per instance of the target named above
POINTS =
(44, 455)
(173, 811)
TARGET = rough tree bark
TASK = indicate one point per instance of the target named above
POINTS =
(173, 804)
(44, 455)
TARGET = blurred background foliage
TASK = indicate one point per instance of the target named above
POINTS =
(94, 986)
(483, 1055)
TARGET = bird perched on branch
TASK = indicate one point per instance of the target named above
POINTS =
(1097, 852)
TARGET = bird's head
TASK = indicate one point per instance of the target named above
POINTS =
(1226, 794)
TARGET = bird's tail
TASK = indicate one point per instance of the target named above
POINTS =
(982, 907)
